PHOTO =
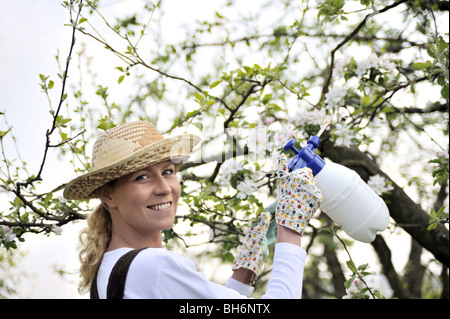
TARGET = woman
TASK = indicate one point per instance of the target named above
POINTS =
(134, 175)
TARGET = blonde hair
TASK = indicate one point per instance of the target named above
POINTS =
(95, 239)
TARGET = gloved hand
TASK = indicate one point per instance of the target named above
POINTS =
(298, 197)
(251, 254)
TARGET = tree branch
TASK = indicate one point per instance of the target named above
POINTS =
(435, 107)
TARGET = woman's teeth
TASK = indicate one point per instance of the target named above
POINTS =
(161, 206)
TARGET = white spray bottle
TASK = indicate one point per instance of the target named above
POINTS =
(347, 199)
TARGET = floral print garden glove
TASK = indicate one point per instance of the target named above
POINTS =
(298, 197)
(251, 254)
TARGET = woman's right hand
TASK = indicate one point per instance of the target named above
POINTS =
(298, 196)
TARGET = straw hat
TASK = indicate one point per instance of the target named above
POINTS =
(125, 149)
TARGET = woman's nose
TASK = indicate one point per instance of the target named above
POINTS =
(161, 186)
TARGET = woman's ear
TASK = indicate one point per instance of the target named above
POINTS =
(104, 193)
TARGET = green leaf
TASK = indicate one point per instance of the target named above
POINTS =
(120, 79)
(363, 267)
(378, 294)
(441, 44)
(420, 65)
(445, 92)
(352, 266)
(348, 282)
(105, 124)
(433, 214)
(192, 113)
(387, 109)
(3, 133)
(228, 257)
(199, 96)
(266, 98)
(168, 234)
(198, 125)
(432, 51)
(365, 100)
(214, 84)
(17, 202)
(48, 198)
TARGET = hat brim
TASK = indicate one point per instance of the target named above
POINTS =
(177, 149)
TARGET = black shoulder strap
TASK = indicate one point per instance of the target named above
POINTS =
(94, 290)
(117, 278)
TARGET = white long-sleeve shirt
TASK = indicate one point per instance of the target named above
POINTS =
(157, 273)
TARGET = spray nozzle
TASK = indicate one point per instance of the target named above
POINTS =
(306, 156)
(290, 146)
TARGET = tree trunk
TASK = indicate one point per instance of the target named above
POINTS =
(334, 266)
(384, 254)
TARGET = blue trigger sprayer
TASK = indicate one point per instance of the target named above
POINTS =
(347, 199)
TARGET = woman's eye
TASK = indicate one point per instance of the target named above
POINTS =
(141, 178)
(168, 171)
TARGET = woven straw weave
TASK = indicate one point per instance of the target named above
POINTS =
(125, 149)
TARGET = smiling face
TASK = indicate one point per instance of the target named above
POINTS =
(142, 204)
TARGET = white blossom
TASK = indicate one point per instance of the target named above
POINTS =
(7, 234)
(334, 97)
(343, 134)
(442, 154)
(314, 116)
(61, 199)
(386, 64)
(319, 117)
(229, 168)
(370, 62)
(356, 286)
(340, 65)
(270, 120)
(288, 132)
(284, 135)
(379, 184)
(246, 188)
(57, 230)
